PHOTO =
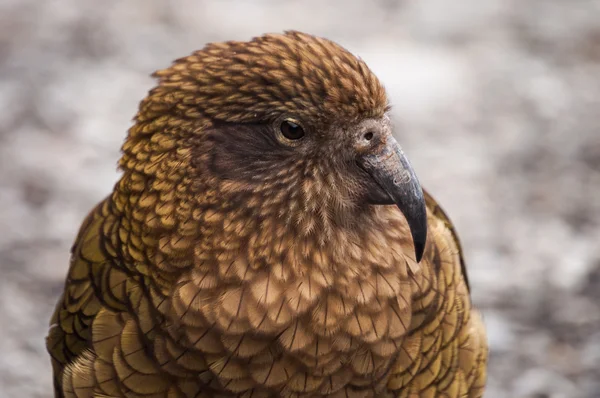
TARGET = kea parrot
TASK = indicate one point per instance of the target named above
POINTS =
(267, 238)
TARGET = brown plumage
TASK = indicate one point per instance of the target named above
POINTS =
(251, 247)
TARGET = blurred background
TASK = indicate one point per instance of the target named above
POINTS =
(496, 102)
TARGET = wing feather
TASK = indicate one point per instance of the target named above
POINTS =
(69, 336)
(447, 343)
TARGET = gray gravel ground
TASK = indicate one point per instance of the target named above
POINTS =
(496, 103)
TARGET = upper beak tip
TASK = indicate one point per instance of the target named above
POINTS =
(419, 250)
(419, 235)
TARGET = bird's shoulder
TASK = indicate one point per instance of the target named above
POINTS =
(445, 329)
(439, 216)
(94, 281)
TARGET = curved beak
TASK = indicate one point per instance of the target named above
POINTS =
(396, 178)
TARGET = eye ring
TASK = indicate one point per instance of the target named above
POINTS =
(291, 130)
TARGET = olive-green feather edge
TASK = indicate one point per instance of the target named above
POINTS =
(438, 212)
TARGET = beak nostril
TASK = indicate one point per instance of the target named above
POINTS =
(368, 136)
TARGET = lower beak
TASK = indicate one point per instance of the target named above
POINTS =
(394, 175)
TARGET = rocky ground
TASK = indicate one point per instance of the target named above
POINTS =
(496, 102)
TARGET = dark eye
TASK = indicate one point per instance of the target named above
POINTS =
(291, 130)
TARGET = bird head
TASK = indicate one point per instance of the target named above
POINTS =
(287, 127)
